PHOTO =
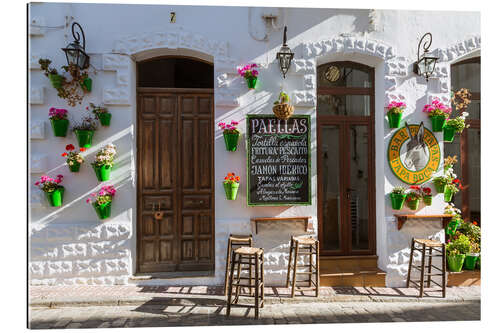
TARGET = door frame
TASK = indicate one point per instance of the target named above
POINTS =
(146, 90)
(344, 122)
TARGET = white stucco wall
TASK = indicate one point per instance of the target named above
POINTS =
(69, 245)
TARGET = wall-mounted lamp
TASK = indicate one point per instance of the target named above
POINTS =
(425, 64)
(75, 53)
(284, 56)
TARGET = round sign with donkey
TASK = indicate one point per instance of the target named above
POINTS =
(414, 154)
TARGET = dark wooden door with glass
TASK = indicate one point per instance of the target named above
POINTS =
(175, 180)
(345, 157)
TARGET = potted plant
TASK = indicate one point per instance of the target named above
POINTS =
(250, 73)
(438, 113)
(282, 109)
(84, 131)
(473, 232)
(456, 219)
(439, 183)
(454, 125)
(449, 162)
(74, 158)
(427, 195)
(413, 197)
(101, 201)
(451, 188)
(59, 121)
(231, 134)
(398, 196)
(456, 249)
(101, 113)
(53, 191)
(231, 184)
(395, 113)
(104, 161)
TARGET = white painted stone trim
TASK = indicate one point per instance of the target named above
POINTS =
(37, 129)
(37, 95)
(38, 162)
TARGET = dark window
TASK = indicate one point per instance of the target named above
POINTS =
(175, 73)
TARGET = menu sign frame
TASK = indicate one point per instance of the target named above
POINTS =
(275, 160)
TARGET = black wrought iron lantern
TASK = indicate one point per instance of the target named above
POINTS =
(284, 56)
(75, 53)
(425, 64)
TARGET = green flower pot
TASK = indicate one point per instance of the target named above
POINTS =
(448, 194)
(397, 200)
(102, 172)
(84, 138)
(86, 84)
(56, 80)
(59, 127)
(231, 141)
(478, 262)
(439, 187)
(455, 262)
(75, 167)
(413, 204)
(231, 190)
(428, 200)
(394, 119)
(105, 118)
(470, 261)
(252, 82)
(448, 133)
(437, 123)
(452, 227)
(55, 197)
(103, 211)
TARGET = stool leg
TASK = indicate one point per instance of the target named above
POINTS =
(238, 288)
(230, 291)
(310, 265)
(317, 268)
(429, 270)
(262, 277)
(422, 269)
(257, 274)
(443, 249)
(295, 257)
(411, 261)
(289, 264)
(228, 264)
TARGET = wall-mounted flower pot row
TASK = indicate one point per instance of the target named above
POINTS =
(400, 195)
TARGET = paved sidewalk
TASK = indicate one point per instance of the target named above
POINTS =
(51, 296)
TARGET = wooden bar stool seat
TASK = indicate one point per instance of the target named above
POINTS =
(429, 249)
(308, 246)
(235, 241)
(254, 258)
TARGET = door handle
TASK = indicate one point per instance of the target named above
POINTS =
(348, 192)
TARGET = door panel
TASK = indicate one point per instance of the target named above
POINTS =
(175, 147)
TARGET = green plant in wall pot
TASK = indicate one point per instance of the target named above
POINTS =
(456, 249)
(231, 184)
(282, 108)
(455, 221)
(398, 196)
(395, 113)
(101, 201)
(74, 159)
(250, 73)
(53, 191)
(231, 134)
(413, 197)
(59, 121)
(427, 195)
(104, 161)
(451, 189)
(84, 131)
(473, 232)
(437, 112)
(101, 113)
(453, 126)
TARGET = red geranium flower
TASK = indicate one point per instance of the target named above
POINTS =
(82, 149)
(64, 154)
(475, 223)
(70, 147)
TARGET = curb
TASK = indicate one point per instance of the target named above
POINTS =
(221, 301)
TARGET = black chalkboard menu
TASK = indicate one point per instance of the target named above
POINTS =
(278, 160)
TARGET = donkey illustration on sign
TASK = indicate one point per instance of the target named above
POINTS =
(417, 154)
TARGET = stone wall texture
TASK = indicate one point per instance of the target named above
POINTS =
(68, 245)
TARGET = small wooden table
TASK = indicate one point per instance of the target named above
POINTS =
(257, 220)
(402, 218)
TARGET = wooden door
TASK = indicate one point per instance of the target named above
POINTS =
(175, 178)
(345, 159)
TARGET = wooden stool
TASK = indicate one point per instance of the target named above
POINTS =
(430, 246)
(310, 247)
(233, 242)
(253, 257)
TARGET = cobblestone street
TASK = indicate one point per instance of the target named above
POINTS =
(214, 313)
